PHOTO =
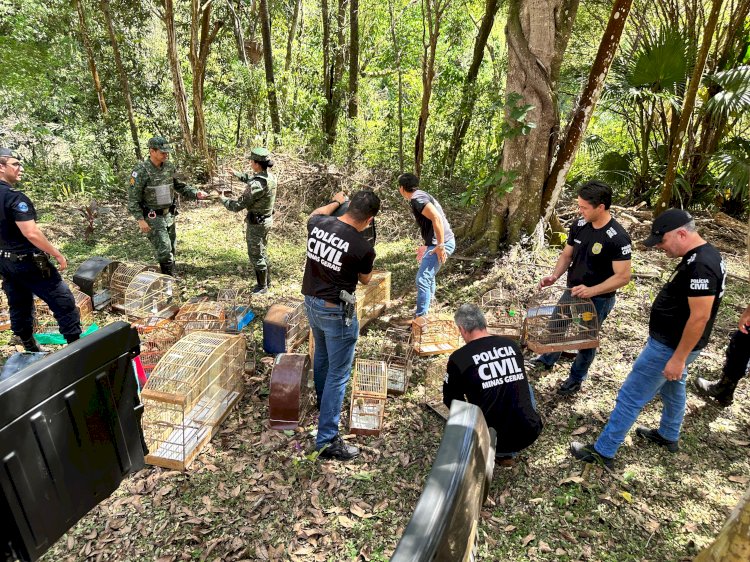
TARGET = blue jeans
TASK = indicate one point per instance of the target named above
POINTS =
(332, 364)
(579, 371)
(644, 382)
(499, 454)
(428, 269)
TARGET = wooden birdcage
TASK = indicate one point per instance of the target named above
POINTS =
(149, 294)
(156, 339)
(285, 327)
(433, 387)
(189, 394)
(397, 353)
(237, 310)
(4, 312)
(434, 334)
(558, 321)
(504, 316)
(45, 321)
(369, 392)
(121, 278)
(373, 298)
(291, 392)
(208, 316)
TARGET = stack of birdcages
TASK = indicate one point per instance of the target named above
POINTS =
(369, 392)
(397, 354)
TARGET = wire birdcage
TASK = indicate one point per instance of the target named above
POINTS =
(434, 334)
(45, 321)
(369, 392)
(236, 309)
(558, 321)
(4, 312)
(373, 298)
(121, 279)
(397, 353)
(189, 394)
(504, 316)
(156, 339)
(285, 327)
(149, 294)
(433, 387)
(209, 316)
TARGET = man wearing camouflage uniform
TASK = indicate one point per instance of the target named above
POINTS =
(152, 200)
(258, 198)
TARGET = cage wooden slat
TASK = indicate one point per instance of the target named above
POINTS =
(373, 298)
(434, 334)
(370, 378)
(558, 321)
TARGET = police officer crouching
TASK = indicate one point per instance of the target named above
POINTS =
(152, 200)
(258, 198)
(25, 268)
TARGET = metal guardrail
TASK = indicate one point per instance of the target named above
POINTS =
(443, 526)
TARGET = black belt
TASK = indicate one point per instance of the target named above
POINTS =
(254, 218)
(151, 213)
(14, 257)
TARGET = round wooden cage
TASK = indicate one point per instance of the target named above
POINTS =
(558, 321)
(45, 320)
(157, 341)
(203, 315)
(504, 316)
(148, 293)
(121, 278)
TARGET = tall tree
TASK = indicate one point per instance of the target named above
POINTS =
(239, 36)
(733, 542)
(122, 76)
(469, 90)
(397, 58)
(584, 109)
(84, 31)
(353, 57)
(292, 32)
(537, 33)
(665, 198)
(265, 29)
(432, 17)
(333, 69)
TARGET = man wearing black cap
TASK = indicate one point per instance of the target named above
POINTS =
(258, 198)
(24, 265)
(152, 200)
(682, 316)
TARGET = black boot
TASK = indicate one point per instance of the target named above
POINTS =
(70, 338)
(167, 267)
(722, 391)
(29, 344)
(268, 277)
(262, 286)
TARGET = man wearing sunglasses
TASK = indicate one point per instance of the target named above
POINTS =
(24, 261)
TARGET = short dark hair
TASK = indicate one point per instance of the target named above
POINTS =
(265, 164)
(596, 193)
(363, 205)
(409, 182)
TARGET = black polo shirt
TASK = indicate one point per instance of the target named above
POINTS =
(15, 206)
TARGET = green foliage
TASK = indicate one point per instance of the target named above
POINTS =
(659, 62)
(734, 97)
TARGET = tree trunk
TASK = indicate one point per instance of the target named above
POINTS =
(178, 86)
(537, 33)
(123, 76)
(353, 57)
(397, 58)
(265, 28)
(585, 106)
(333, 62)
(239, 37)
(469, 91)
(290, 38)
(688, 104)
(83, 29)
(432, 11)
(733, 542)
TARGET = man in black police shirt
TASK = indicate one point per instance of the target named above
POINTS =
(338, 257)
(489, 372)
(597, 259)
(24, 265)
(681, 319)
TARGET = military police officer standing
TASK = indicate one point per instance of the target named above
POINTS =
(25, 268)
(151, 200)
(258, 198)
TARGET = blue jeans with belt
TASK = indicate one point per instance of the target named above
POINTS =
(332, 364)
(644, 382)
(428, 270)
(579, 370)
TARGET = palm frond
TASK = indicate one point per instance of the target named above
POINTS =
(734, 96)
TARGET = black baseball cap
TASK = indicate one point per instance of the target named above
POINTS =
(669, 220)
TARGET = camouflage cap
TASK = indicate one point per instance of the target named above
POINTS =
(159, 143)
(8, 153)
(260, 154)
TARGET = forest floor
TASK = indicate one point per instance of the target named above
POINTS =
(255, 494)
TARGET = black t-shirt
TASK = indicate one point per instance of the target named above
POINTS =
(700, 273)
(489, 373)
(418, 202)
(14, 207)
(594, 250)
(336, 254)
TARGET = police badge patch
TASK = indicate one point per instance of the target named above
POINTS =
(132, 178)
(596, 248)
(23, 207)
